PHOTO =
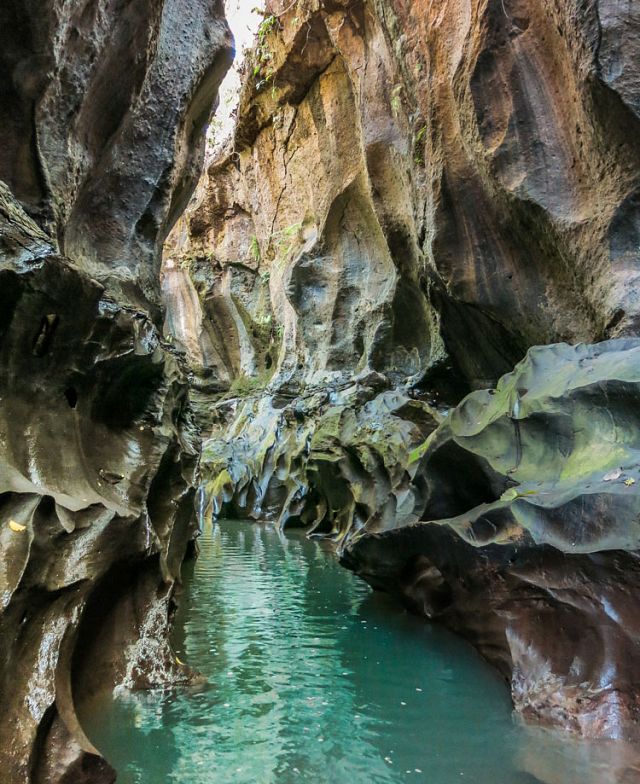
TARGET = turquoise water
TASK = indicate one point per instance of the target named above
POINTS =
(313, 678)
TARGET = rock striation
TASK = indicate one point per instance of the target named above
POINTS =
(102, 115)
(414, 188)
(103, 107)
(417, 195)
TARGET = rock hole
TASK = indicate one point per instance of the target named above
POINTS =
(71, 393)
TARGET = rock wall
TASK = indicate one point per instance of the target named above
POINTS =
(531, 545)
(103, 105)
(415, 186)
(103, 108)
(416, 195)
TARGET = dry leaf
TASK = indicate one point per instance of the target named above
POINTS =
(612, 475)
(17, 527)
(629, 482)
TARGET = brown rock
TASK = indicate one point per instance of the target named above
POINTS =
(420, 192)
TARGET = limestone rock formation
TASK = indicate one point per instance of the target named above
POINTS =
(102, 115)
(417, 194)
(103, 105)
(532, 541)
(421, 186)
(335, 463)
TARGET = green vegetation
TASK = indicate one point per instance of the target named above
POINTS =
(283, 242)
(418, 156)
(396, 101)
(263, 52)
(244, 385)
(254, 249)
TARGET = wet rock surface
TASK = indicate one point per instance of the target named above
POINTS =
(416, 195)
(98, 455)
(334, 463)
(102, 108)
(531, 543)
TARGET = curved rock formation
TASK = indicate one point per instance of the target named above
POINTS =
(335, 463)
(103, 105)
(531, 549)
(102, 115)
(413, 185)
(416, 194)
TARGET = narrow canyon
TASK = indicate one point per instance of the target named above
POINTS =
(399, 310)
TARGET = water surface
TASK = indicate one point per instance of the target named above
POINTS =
(314, 678)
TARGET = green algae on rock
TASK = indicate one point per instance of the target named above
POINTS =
(415, 196)
(553, 452)
(517, 507)
(530, 534)
(334, 462)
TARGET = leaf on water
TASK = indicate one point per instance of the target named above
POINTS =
(616, 474)
(628, 482)
(17, 527)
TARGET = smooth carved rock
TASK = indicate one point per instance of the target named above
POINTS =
(619, 43)
(102, 109)
(307, 260)
(532, 540)
(416, 195)
(335, 463)
(419, 186)
(102, 115)
(97, 465)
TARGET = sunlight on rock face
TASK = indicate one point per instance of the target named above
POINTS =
(244, 19)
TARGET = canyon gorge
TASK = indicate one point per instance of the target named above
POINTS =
(399, 310)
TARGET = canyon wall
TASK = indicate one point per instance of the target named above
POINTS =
(416, 195)
(102, 113)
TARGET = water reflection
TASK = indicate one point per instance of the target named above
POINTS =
(312, 677)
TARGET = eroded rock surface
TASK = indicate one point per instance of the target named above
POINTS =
(416, 195)
(336, 463)
(102, 110)
(415, 186)
(531, 545)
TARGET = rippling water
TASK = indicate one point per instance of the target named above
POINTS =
(313, 678)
